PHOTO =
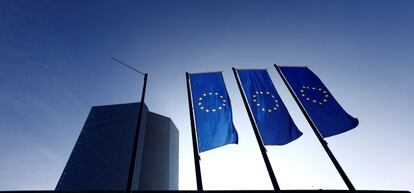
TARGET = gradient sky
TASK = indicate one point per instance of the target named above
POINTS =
(54, 65)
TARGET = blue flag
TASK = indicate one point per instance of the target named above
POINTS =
(321, 106)
(275, 125)
(212, 109)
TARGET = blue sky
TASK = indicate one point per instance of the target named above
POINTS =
(54, 61)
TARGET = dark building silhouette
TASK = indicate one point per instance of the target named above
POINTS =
(101, 156)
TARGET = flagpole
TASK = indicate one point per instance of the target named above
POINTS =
(317, 133)
(137, 128)
(194, 136)
(257, 134)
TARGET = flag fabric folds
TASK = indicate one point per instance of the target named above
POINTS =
(330, 118)
(212, 111)
(273, 121)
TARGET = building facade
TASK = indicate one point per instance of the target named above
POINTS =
(101, 156)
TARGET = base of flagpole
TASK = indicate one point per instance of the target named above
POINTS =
(282, 191)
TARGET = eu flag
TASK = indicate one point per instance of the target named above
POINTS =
(212, 111)
(275, 125)
(319, 103)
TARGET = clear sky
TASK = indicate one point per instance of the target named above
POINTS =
(54, 65)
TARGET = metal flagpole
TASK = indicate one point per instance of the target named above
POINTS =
(194, 136)
(137, 128)
(257, 134)
(317, 133)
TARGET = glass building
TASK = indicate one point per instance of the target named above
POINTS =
(101, 156)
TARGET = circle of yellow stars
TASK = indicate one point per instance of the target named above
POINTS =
(322, 91)
(261, 106)
(215, 109)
